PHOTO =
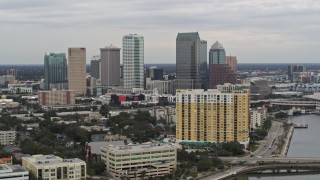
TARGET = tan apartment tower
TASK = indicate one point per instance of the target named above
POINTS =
(110, 66)
(216, 115)
(77, 70)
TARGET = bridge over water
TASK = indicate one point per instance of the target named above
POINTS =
(283, 102)
(273, 159)
(271, 164)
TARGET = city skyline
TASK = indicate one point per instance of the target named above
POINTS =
(255, 31)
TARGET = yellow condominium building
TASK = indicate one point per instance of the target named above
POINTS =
(139, 161)
(213, 116)
(50, 167)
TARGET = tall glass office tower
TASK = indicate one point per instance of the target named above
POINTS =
(204, 64)
(217, 54)
(133, 61)
(220, 70)
(188, 61)
(55, 71)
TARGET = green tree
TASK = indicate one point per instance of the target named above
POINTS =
(98, 167)
(182, 155)
(94, 108)
(104, 110)
(50, 113)
(204, 164)
(281, 115)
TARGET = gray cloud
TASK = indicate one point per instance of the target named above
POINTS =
(270, 31)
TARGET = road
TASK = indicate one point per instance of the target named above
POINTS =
(270, 144)
(271, 140)
(225, 173)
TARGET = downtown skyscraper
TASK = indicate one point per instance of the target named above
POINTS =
(110, 66)
(188, 60)
(221, 69)
(77, 70)
(95, 67)
(133, 61)
(204, 64)
(217, 54)
(55, 71)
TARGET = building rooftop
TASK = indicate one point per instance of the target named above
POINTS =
(11, 148)
(56, 90)
(139, 147)
(45, 160)
(217, 45)
(184, 36)
(129, 36)
(110, 47)
(96, 146)
(7, 132)
(4, 168)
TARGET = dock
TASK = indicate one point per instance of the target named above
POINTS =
(300, 125)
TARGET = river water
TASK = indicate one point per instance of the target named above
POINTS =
(304, 143)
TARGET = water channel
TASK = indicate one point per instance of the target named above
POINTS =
(304, 143)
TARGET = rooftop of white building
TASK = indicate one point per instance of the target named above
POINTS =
(45, 160)
(4, 168)
(140, 147)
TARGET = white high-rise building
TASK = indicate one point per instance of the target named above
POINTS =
(133, 61)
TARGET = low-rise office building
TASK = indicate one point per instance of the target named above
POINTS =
(163, 87)
(93, 149)
(56, 97)
(139, 161)
(7, 137)
(13, 172)
(168, 113)
(50, 167)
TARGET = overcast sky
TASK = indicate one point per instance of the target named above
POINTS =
(254, 30)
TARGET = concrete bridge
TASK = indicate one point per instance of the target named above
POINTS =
(272, 164)
(283, 102)
(271, 168)
(275, 168)
(295, 160)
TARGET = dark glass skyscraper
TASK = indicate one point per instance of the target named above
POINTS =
(188, 61)
(55, 71)
(204, 65)
(110, 66)
(95, 67)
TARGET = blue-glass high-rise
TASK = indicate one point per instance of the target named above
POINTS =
(217, 54)
(55, 71)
